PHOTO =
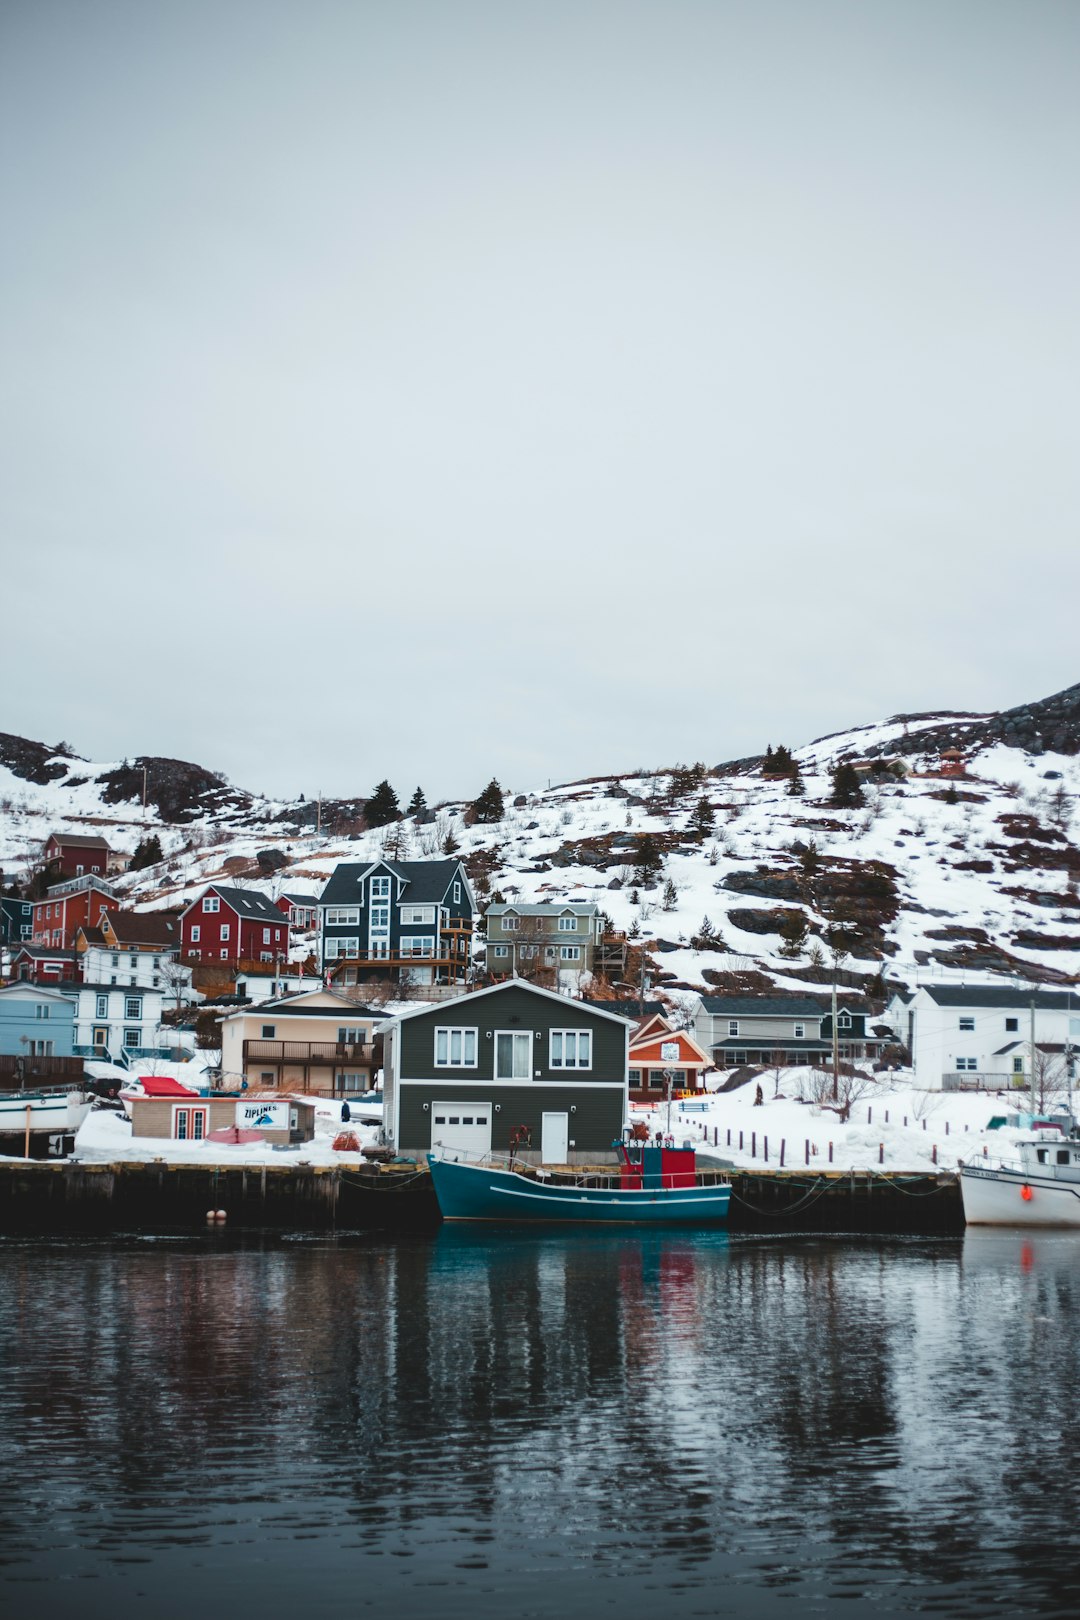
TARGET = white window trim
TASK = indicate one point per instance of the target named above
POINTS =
(510, 925)
(196, 937)
(567, 925)
(211, 903)
(575, 1067)
(450, 1030)
(343, 916)
(511, 1078)
(569, 953)
(732, 1029)
(800, 1032)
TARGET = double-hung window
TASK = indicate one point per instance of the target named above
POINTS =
(131, 1038)
(380, 888)
(513, 1055)
(966, 1063)
(571, 1049)
(800, 1031)
(102, 1007)
(132, 1006)
(342, 916)
(733, 1027)
(967, 1025)
(211, 903)
(196, 935)
(455, 1049)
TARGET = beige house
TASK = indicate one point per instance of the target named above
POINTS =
(320, 1041)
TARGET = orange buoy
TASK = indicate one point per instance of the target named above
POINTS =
(1025, 1193)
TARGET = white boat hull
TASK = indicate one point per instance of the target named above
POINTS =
(1018, 1198)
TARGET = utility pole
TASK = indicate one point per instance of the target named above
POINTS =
(1034, 1103)
(318, 817)
(835, 1036)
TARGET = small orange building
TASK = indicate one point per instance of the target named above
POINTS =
(661, 1056)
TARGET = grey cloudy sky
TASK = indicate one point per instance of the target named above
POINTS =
(443, 389)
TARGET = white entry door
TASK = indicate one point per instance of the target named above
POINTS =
(554, 1138)
(461, 1128)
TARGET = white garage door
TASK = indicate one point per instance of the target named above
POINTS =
(461, 1128)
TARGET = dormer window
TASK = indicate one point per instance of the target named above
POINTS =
(380, 888)
(567, 925)
(511, 924)
(844, 1021)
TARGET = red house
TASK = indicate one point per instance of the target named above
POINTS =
(233, 925)
(302, 910)
(42, 965)
(71, 855)
(79, 903)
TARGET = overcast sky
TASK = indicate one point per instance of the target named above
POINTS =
(439, 390)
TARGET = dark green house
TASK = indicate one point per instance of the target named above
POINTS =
(466, 1074)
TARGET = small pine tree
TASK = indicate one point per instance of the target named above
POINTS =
(707, 938)
(783, 764)
(951, 795)
(382, 806)
(648, 860)
(671, 896)
(810, 860)
(768, 766)
(417, 804)
(450, 844)
(702, 818)
(793, 932)
(846, 788)
(489, 806)
(796, 786)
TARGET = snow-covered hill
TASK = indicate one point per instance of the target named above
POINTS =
(974, 877)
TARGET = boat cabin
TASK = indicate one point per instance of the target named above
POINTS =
(648, 1169)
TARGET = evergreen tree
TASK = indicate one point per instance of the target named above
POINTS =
(702, 818)
(810, 860)
(147, 853)
(707, 938)
(671, 896)
(489, 806)
(648, 860)
(846, 788)
(796, 786)
(382, 806)
(783, 764)
(793, 932)
(417, 804)
(768, 766)
(450, 844)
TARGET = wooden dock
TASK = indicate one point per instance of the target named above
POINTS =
(62, 1196)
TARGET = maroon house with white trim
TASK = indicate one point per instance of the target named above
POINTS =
(233, 925)
(76, 855)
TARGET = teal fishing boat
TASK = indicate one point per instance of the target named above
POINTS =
(652, 1186)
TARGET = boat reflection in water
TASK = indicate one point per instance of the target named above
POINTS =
(553, 1422)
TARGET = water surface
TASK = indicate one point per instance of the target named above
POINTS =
(482, 1424)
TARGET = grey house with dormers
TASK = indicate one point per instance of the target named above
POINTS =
(559, 935)
(406, 920)
(464, 1075)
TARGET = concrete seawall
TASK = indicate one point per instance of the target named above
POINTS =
(60, 1196)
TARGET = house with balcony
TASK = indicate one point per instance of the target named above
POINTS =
(116, 1022)
(320, 1041)
(410, 921)
(233, 925)
(76, 855)
(42, 964)
(559, 936)
(790, 1030)
(978, 1037)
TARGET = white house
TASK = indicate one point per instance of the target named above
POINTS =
(967, 1036)
(111, 1020)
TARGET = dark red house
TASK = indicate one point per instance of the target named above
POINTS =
(71, 855)
(233, 925)
(79, 903)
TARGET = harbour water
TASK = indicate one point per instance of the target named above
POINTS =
(483, 1424)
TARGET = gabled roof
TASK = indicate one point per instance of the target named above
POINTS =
(498, 990)
(27, 987)
(300, 899)
(55, 953)
(145, 927)
(646, 1053)
(92, 936)
(247, 903)
(426, 882)
(549, 908)
(764, 1007)
(632, 1009)
(163, 1085)
(990, 996)
(79, 841)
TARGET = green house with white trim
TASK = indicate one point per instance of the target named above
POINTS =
(466, 1075)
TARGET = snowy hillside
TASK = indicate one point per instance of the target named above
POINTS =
(973, 876)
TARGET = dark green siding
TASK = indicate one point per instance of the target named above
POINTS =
(597, 1122)
(514, 1008)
